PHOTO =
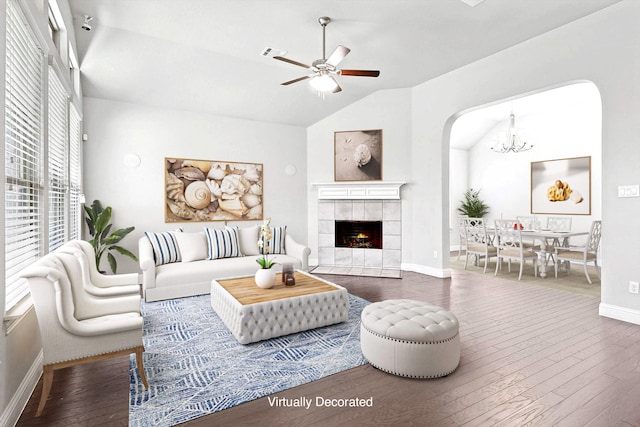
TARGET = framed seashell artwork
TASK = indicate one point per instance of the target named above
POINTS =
(561, 186)
(212, 190)
(358, 155)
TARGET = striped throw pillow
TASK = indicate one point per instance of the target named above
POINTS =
(276, 243)
(165, 246)
(223, 243)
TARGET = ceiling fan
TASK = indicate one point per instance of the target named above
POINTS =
(323, 70)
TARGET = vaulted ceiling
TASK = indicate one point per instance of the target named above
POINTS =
(205, 55)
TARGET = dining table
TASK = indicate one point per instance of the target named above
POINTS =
(546, 239)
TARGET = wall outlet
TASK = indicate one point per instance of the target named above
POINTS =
(634, 287)
(435, 254)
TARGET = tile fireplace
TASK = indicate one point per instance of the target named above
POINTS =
(360, 228)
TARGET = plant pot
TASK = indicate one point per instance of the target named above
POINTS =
(265, 278)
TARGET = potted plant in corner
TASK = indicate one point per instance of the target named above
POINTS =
(102, 240)
(472, 206)
(265, 277)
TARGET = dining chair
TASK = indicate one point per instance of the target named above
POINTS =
(478, 241)
(508, 241)
(462, 236)
(557, 224)
(529, 223)
(584, 254)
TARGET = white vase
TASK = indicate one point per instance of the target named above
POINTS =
(265, 278)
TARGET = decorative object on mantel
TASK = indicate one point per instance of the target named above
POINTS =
(561, 186)
(389, 190)
(265, 276)
(511, 141)
(358, 155)
(211, 190)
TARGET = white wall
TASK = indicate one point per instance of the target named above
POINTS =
(137, 194)
(389, 110)
(601, 48)
(505, 179)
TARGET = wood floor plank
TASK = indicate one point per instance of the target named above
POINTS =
(529, 354)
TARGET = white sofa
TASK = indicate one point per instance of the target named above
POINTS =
(193, 273)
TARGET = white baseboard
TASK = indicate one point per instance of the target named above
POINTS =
(11, 413)
(441, 273)
(620, 313)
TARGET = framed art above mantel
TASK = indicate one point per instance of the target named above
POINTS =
(358, 155)
(561, 186)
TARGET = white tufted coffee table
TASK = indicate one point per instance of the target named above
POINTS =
(255, 314)
(410, 338)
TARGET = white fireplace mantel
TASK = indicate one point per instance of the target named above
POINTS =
(359, 190)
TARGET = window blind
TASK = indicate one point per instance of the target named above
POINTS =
(23, 152)
(58, 166)
(75, 177)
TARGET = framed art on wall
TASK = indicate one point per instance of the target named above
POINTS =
(212, 190)
(358, 155)
(561, 186)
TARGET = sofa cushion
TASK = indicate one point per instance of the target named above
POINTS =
(165, 247)
(248, 238)
(276, 243)
(193, 246)
(223, 243)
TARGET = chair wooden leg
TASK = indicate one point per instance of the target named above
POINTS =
(521, 268)
(47, 381)
(140, 365)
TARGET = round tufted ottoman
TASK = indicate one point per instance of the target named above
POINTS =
(410, 338)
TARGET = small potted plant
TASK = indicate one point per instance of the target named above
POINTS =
(265, 277)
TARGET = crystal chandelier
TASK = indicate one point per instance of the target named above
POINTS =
(512, 140)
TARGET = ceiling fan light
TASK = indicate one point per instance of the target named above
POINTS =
(323, 83)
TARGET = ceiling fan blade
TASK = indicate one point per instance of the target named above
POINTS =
(337, 88)
(361, 73)
(291, 61)
(299, 79)
(337, 55)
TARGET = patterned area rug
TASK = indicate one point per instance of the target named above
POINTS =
(196, 367)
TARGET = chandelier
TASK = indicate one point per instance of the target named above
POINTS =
(512, 140)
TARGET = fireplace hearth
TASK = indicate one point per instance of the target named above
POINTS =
(359, 234)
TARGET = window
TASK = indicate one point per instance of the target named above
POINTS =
(75, 177)
(58, 166)
(42, 169)
(23, 152)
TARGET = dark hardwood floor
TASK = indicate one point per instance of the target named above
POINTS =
(530, 356)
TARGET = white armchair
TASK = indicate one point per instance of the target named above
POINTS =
(76, 327)
(96, 283)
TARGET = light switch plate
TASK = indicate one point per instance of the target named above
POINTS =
(629, 190)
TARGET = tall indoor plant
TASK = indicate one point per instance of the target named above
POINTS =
(472, 206)
(98, 221)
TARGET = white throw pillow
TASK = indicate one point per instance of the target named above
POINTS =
(193, 246)
(223, 243)
(248, 238)
(165, 247)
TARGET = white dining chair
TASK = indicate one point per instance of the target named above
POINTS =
(479, 243)
(584, 254)
(508, 241)
(557, 224)
(462, 236)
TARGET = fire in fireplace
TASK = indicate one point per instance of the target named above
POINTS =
(359, 234)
